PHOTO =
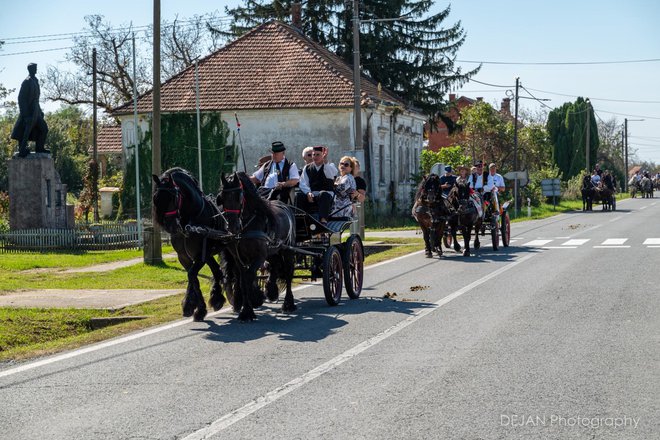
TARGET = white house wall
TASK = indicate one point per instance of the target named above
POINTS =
(398, 137)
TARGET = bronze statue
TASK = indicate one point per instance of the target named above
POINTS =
(30, 125)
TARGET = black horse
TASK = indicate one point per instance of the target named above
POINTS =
(264, 231)
(587, 191)
(468, 217)
(178, 202)
(432, 211)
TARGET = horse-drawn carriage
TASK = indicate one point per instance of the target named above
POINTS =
(262, 244)
(441, 218)
(605, 193)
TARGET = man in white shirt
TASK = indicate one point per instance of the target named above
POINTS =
(494, 184)
(277, 176)
(317, 184)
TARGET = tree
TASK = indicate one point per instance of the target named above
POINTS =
(486, 133)
(414, 58)
(567, 129)
(182, 42)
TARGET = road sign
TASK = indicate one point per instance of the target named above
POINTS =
(551, 187)
(521, 176)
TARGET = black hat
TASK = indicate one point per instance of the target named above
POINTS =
(277, 147)
(478, 163)
(318, 148)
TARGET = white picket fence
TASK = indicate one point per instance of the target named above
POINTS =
(104, 236)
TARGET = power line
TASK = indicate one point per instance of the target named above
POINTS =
(534, 97)
(566, 63)
(34, 51)
(597, 99)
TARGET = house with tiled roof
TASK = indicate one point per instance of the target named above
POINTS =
(109, 147)
(284, 86)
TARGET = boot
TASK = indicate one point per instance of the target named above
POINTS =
(23, 151)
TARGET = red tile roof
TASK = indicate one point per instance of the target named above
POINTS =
(273, 66)
(108, 139)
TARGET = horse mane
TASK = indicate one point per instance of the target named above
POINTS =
(177, 170)
(261, 205)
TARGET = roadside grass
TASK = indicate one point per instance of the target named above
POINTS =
(546, 210)
(37, 260)
(29, 333)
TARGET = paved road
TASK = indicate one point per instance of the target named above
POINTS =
(555, 337)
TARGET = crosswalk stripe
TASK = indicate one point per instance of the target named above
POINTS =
(650, 241)
(537, 243)
(576, 242)
(614, 241)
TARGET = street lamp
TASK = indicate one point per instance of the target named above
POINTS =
(625, 134)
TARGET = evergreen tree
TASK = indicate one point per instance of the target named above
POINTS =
(413, 57)
(567, 129)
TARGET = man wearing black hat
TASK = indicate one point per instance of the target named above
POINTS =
(30, 125)
(277, 176)
(317, 184)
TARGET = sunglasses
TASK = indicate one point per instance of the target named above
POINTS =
(308, 155)
(318, 154)
(346, 164)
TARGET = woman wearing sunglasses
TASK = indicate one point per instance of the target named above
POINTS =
(344, 188)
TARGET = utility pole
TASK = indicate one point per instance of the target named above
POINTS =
(625, 154)
(154, 251)
(95, 157)
(623, 162)
(199, 132)
(515, 148)
(136, 151)
(586, 147)
(357, 107)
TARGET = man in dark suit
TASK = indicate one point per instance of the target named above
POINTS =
(317, 184)
(30, 125)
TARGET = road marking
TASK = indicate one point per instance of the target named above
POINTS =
(562, 238)
(653, 246)
(611, 247)
(270, 397)
(559, 247)
(652, 241)
(614, 219)
(537, 243)
(643, 207)
(614, 241)
(576, 242)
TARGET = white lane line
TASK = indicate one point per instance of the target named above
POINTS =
(152, 331)
(613, 241)
(653, 246)
(562, 238)
(559, 247)
(611, 247)
(650, 241)
(270, 397)
(576, 242)
(643, 207)
(614, 219)
(537, 243)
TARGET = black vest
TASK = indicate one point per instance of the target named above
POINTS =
(282, 176)
(317, 179)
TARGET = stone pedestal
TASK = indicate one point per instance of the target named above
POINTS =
(37, 197)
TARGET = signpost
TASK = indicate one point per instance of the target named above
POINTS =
(521, 179)
(551, 188)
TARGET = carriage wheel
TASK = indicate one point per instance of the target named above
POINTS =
(353, 264)
(332, 275)
(506, 229)
(495, 235)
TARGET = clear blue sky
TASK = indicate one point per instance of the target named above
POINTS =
(510, 31)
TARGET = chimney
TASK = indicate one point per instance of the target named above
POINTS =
(296, 15)
(506, 106)
(452, 97)
(480, 98)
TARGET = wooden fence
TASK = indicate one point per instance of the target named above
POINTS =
(104, 236)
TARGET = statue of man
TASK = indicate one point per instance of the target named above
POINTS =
(30, 125)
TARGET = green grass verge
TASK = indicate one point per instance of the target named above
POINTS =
(36, 260)
(28, 333)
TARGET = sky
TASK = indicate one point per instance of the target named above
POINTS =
(597, 47)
